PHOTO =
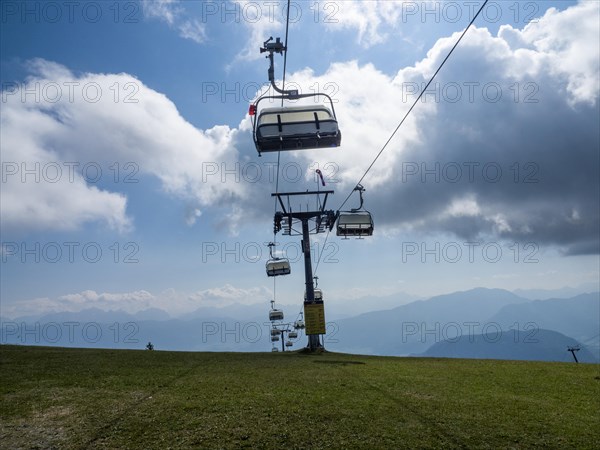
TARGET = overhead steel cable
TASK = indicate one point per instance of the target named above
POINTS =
(416, 101)
(287, 27)
(405, 117)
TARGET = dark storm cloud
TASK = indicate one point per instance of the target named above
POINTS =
(509, 140)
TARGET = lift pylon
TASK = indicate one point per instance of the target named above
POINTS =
(321, 220)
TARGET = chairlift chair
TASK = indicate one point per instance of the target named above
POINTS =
(275, 314)
(275, 332)
(278, 266)
(291, 127)
(274, 349)
(299, 324)
(293, 334)
(357, 222)
(318, 295)
(294, 127)
(289, 343)
(274, 338)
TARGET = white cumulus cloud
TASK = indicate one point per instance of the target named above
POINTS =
(174, 302)
(87, 124)
(173, 13)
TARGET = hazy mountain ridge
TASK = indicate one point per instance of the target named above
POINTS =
(577, 317)
(95, 315)
(210, 334)
(533, 345)
(235, 311)
(412, 328)
(407, 329)
(565, 292)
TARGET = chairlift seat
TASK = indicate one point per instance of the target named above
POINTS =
(289, 343)
(275, 314)
(293, 334)
(318, 295)
(296, 128)
(299, 324)
(355, 224)
(275, 332)
(274, 338)
(279, 266)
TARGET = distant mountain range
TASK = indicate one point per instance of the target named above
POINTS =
(533, 345)
(565, 292)
(418, 326)
(413, 328)
(576, 317)
(96, 315)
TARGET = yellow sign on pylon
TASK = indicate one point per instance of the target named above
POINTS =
(314, 317)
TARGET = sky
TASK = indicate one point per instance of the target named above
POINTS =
(130, 179)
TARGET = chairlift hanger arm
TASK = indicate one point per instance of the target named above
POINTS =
(271, 245)
(360, 190)
(276, 47)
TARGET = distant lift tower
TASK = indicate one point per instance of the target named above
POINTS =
(311, 222)
(573, 350)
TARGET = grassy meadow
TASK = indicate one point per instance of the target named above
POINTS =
(83, 398)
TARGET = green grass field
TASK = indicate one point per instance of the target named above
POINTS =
(81, 398)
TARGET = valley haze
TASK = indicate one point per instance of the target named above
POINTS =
(483, 323)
